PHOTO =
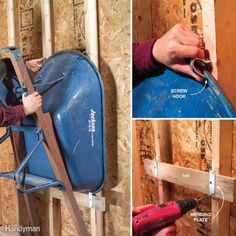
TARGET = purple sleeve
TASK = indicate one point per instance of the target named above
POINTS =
(143, 61)
(11, 115)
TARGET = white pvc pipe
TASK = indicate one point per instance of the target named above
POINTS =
(11, 23)
(46, 28)
(91, 35)
(91, 30)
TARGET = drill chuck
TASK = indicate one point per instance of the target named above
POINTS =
(187, 205)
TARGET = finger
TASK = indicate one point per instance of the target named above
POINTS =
(188, 32)
(35, 94)
(161, 234)
(164, 231)
(185, 68)
(37, 69)
(33, 65)
(36, 66)
(40, 60)
(189, 40)
(33, 68)
(38, 104)
(24, 95)
(184, 51)
(38, 100)
(207, 53)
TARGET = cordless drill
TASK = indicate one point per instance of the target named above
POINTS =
(161, 215)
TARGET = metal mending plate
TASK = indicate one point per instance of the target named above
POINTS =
(212, 182)
(151, 167)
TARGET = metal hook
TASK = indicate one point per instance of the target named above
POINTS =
(198, 65)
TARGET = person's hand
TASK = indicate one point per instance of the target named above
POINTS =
(169, 230)
(35, 64)
(175, 46)
(31, 103)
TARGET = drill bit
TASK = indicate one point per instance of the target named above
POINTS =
(204, 198)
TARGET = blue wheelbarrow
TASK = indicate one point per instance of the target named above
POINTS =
(72, 92)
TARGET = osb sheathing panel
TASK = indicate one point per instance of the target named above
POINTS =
(68, 24)
(192, 144)
(165, 14)
(29, 28)
(8, 196)
(114, 40)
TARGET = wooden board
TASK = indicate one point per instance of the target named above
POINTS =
(82, 199)
(163, 141)
(225, 45)
(222, 164)
(196, 180)
(142, 20)
(68, 25)
(137, 194)
(233, 206)
(47, 24)
(3, 24)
